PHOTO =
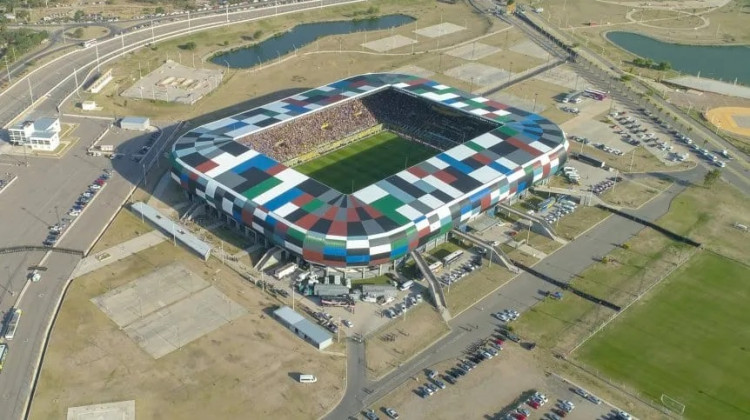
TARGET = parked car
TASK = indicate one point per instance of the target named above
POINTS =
(391, 413)
(370, 414)
(592, 398)
(580, 392)
(431, 373)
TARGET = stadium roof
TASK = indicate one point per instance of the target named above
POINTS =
(382, 221)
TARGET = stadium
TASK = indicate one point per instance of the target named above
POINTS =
(362, 171)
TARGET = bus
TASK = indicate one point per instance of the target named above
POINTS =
(89, 43)
(599, 95)
(436, 266)
(453, 256)
(3, 353)
(10, 328)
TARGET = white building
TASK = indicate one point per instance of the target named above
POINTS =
(42, 134)
(135, 123)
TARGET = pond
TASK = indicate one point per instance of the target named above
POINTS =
(727, 63)
(302, 35)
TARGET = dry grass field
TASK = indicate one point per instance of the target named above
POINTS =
(471, 288)
(587, 21)
(246, 366)
(413, 333)
(316, 64)
(125, 226)
(632, 194)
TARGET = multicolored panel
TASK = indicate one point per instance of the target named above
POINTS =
(385, 220)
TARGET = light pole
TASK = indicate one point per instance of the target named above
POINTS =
(535, 96)
(57, 213)
(152, 32)
(5, 57)
(96, 48)
(31, 94)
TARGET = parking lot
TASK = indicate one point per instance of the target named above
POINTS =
(509, 385)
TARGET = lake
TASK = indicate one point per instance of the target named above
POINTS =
(302, 35)
(727, 63)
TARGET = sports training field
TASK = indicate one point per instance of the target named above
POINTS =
(689, 340)
(369, 160)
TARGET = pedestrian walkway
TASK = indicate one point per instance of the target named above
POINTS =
(118, 252)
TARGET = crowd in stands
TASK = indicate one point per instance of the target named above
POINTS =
(436, 125)
(306, 133)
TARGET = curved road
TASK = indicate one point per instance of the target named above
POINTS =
(56, 77)
(46, 183)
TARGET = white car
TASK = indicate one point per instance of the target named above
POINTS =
(593, 399)
(74, 213)
(347, 323)
(94, 186)
(567, 405)
(501, 316)
(581, 392)
(719, 163)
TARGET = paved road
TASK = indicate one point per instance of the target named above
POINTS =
(29, 202)
(520, 294)
(28, 206)
(59, 73)
(605, 75)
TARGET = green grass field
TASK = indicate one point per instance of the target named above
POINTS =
(688, 340)
(369, 160)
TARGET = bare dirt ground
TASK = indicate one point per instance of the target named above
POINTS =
(488, 389)
(247, 366)
(411, 334)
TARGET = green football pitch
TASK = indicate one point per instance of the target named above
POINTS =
(369, 160)
(689, 340)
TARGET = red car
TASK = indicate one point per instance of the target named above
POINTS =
(561, 413)
(519, 416)
(533, 404)
(499, 342)
(99, 182)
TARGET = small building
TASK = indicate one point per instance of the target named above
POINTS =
(135, 123)
(314, 334)
(285, 270)
(101, 82)
(88, 105)
(40, 134)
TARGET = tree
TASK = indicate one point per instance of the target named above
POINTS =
(78, 15)
(190, 46)
(77, 33)
(257, 34)
(711, 177)
(22, 14)
(663, 66)
(159, 10)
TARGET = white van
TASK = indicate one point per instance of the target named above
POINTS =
(406, 285)
(307, 379)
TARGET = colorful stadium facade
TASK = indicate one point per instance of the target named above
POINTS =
(381, 222)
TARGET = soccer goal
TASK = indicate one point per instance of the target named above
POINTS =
(672, 404)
